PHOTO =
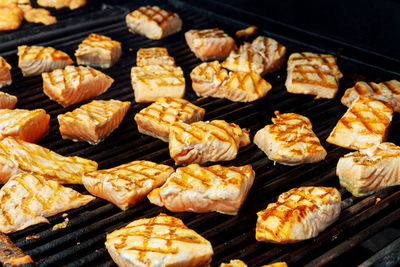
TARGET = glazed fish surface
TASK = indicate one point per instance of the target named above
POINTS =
(244, 59)
(74, 84)
(19, 156)
(128, 184)
(7, 101)
(234, 263)
(210, 79)
(57, 4)
(153, 22)
(209, 44)
(5, 74)
(39, 15)
(299, 214)
(98, 51)
(315, 74)
(201, 141)
(159, 241)
(290, 140)
(153, 81)
(94, 121)
(10, 17)
(27, 125)
(27, 199)
(388, 92)
(364, 124)
(34, 60)
(156, 119)
(204, 189)
(369, 170)
(154, 56)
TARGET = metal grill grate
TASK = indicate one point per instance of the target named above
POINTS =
(82, 242)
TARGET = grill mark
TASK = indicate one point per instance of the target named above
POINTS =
(33, 195)
(186, 130)
(203, 179)
(224, 176)
(392, 88)
(226, 138)
(146, 11)
(9, 217)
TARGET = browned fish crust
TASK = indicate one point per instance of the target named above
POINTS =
(10, 254)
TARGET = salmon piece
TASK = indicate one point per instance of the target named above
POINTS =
(244, 86)
(364, 124)
(272, 52)
(369, 170)
(10, 254)
(154, 81)
(27, 199)
(154, 56)
(209, 44)
(57, 4)
(153, 22)
(207, 79)
(159, 241)
(128, 184)
(315, 74)
(203, 189)
(24, 5)
(19, 156)
(299, 214)
(244, 59)
(290, 140)
(7, 101)
(201, 141)
(5, 74)
(10, 17)
(247, 32)
(34, 60)
(276, 264)
(94, 121)
(234, 263)
(74, 84)
(156, 119)
(210, 79)
(388, 92)
(27, 125)
(39, 15)
(98, 51)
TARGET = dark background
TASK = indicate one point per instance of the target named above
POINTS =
(372, 25)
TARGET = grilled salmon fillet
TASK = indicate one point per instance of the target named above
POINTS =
(34, 60)
(27, 199)
(27, 125)
(234, 263)
(154, 81)
(71, 4)
(272, 52)
(156, 119)
(201, 141)
(10, 254)
(290, 140)
(98, 51)
(369, 170)
(299, 214)
(24, 5)
(210, 79)
(128, 184)
(5, 74)
(364, 124)
(94, 121)
(209, 44)
(244, 59)
(207, 79)
(39, 15)
(204, 189)
(10, 17)
(74, 84)
(247, 32)
(388, 92)
(315, 74)
(159, 241)
(7, 101)
(19, 156)
(276, 264)
(154, 56)
(153, 22)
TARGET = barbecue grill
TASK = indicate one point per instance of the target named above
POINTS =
(368, 230)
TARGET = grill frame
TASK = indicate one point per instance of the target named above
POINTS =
(81, 238)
